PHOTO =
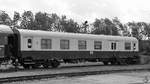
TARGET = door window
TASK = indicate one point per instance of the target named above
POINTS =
(29, 43)
(134, 46)
(113, 46)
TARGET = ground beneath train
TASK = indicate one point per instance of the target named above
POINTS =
(134, 77)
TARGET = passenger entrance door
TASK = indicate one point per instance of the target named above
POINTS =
(28, 44)
(134, 46)
(114, 49)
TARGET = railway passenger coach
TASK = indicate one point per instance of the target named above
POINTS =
(33, 48)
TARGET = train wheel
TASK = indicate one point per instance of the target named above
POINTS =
(113, 62)
(118, 63)
(122, 62)
(55, 64)
(105, 62)
(45, 65)
(35, 66)
(26, 66)
(128, 61)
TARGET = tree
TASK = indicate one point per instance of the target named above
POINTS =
(110, 27)
(69, 26)
(104, 26)
(45, 21)
(98, 27)
(145, 29)
(118, 25)
(135, 29)
(56, 22)
(27, 21)
(5, 19)
(84, 27)
(125, 31)
(72, 26)
(16, 18)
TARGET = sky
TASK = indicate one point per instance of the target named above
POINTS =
(82, 10)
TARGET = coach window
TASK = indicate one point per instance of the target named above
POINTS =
(64, 44)
(46, 44)
(82, 44)
(127, 46)
(134, 46)
(98, 45)
(29, 43)
(113, 46)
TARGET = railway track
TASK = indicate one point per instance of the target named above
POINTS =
(61, 68)
(67, 71)
(44, 76)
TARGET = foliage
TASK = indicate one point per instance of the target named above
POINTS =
(27, 21)
(84, 28)
(140, 30)
(16, 18)
(42, 21)
(4, 18)
(53, 22)
(104, 26)
(70, 26)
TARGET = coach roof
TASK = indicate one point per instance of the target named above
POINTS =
(39, 33)
(5, 30)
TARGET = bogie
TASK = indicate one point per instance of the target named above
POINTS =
(26, 66)
(55, 63)
(105, 62)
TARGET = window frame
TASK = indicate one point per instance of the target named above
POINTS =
(82, 45)
(64, 44)
(127, 45)
(134, 45)
(99, 44)
(29, 41)
(47, 44)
